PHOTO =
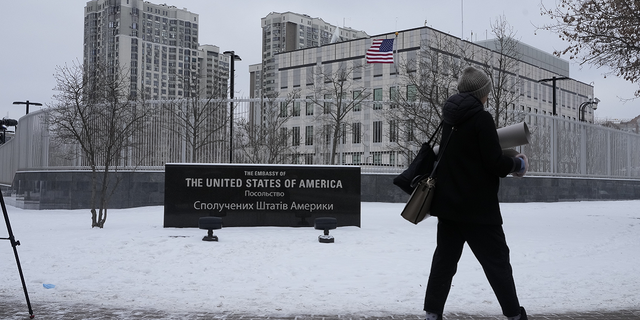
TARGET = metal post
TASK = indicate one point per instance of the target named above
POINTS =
(628, 155)
(28, 103)
(581, 110)
(553, 81)
(609, 151)
(583, 149)
(554, 145)
(554, 97)
(594, 105)
(233, 57)
(231, 109)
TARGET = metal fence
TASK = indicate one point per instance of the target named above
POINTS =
(29, 147)
(559, 147)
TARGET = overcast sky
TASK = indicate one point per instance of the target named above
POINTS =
(38, 35)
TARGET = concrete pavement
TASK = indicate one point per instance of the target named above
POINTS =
(17, 310)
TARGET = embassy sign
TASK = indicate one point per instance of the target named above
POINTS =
(261, 195)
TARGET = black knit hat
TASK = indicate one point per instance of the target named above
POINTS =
(475, 82)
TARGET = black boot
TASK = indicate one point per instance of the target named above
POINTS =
(523, 314)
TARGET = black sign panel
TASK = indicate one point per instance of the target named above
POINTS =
(261, 195)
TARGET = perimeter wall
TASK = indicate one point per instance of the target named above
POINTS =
(71, 189)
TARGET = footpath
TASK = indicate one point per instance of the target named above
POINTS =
(17, 310)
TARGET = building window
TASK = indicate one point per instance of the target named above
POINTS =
(377, 99)
(295, 158)
(308, 136)
(308, 159)
(377, 131)
(356, 132)
(296, 109)
(410, 135)
(393, 97)
(393, 131)
(283, 109)
(309, 106)
(295, 136)
(377, 158)
(327, 104)
(357, 97)
(412, 93)
(377, 70)
(283, 136)
(327, 134)
(356, 158)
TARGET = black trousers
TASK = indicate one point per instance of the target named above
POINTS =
(489, 245)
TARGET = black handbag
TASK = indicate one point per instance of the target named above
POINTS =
(421, 165)
(418, 207)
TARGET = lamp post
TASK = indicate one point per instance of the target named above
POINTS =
(233, 57)
(553, 80)
(583, 106)
(28, 103)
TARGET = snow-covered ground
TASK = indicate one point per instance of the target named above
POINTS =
(570, 256)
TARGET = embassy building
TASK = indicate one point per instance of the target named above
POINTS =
(370, 134)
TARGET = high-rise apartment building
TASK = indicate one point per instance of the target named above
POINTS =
(288, 31)
(284, 32)
(214, 71)
(159, 45)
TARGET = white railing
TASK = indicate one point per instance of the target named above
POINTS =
(559, 147)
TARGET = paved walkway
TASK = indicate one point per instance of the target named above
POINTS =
(17, 310)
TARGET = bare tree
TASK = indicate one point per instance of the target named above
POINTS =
(268, 141)
(605, 33)
(92, 110)
(200, 120)
(502, 65)
(338, 94)
(428, 79)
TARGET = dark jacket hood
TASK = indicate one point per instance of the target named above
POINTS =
(459, 108)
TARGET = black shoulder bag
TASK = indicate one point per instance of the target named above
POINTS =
(419, 204)
(421, 165)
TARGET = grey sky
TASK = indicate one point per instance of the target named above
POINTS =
(40, 35)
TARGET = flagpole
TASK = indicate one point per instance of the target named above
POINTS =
(462, 20)
(395, 50)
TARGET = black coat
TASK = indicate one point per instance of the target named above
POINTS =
(468, 176)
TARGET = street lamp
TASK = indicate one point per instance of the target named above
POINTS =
(233, 57)
(553, 80)
(594, 106)
(28, 104)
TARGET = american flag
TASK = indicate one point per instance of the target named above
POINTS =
(381, 51)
